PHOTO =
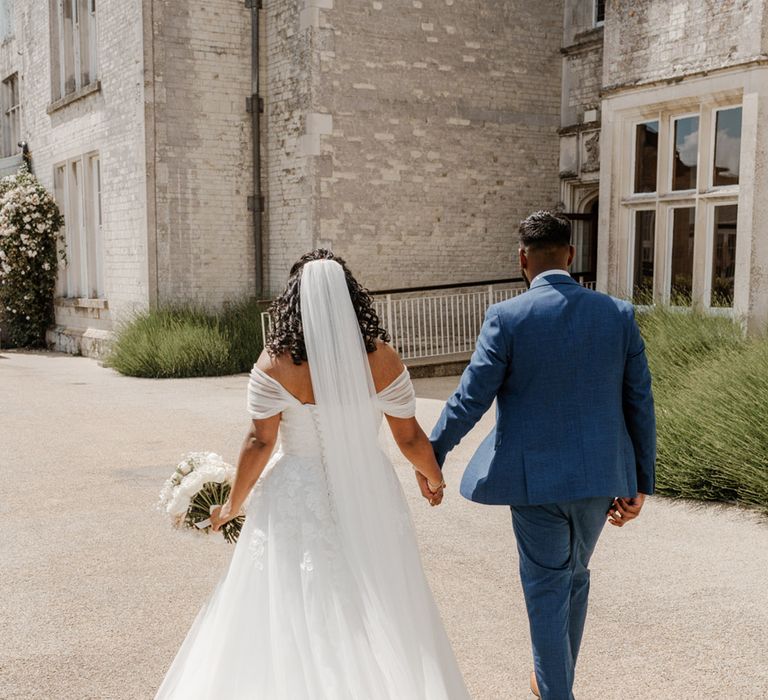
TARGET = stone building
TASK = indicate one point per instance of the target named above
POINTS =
(408, 135)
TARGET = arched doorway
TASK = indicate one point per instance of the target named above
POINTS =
(584, 238)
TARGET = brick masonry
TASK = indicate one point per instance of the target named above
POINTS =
(444, 121)
(410, 136)
(647, 40)
(108, 121)
(197, 77)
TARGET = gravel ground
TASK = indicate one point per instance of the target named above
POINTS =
(96, 593)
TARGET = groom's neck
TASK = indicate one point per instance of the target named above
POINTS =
(544, 265)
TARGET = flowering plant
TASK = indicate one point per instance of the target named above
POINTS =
(200, 481)
(29, 250)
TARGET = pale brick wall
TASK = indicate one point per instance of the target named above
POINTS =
(202, 169)
(582, 72)
(657, 39)
(109, 122)
(582, 61)
(580, 104)
(287, 85)
(444, 121)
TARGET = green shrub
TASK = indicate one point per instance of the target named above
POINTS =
(678, 341)
(29, 240)
(711, 391)
(240, 322)
(713, 442)
(189, 342)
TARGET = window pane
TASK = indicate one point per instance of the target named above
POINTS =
(6, 19)
(724, 255)
(642, 279)
(646, 156)
(727, 147)
(599, 11)
(59, 174)
(686, 153)
(67, 58)
(681, 289)
(84, 50)
(77, 257)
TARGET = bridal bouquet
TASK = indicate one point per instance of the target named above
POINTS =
(200, 481)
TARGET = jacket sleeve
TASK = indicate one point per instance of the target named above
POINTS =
(477, 388)
(639, 413)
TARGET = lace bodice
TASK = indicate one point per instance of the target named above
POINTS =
(299, 434)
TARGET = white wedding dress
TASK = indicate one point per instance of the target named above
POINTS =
(325, 597)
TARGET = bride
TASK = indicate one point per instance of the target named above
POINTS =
(325, 597)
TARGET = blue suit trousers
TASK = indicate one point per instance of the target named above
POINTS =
(555, 543)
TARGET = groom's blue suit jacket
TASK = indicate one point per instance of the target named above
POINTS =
(574, 416)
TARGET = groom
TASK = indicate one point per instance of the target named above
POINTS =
(575, 436)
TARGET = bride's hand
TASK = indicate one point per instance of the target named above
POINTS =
(436, 490)
(434, 497)
(221, 515)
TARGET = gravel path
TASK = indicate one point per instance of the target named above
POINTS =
(96, 594)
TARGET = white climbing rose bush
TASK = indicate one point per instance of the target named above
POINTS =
(30, 223)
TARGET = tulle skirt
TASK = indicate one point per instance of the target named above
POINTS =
(290, 621)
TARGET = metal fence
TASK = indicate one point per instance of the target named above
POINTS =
(435, 322)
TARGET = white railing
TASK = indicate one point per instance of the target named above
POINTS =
(438, 325)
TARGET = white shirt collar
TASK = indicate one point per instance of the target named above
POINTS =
(547, 273)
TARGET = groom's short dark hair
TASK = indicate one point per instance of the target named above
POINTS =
(543, 229)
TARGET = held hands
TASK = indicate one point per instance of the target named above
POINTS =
(432, 492)
(623, 510)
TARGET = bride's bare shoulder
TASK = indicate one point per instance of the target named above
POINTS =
(386, 365)
(278, 366)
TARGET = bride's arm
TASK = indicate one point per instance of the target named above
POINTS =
(387, 368)
(254, 455)
(416, 448)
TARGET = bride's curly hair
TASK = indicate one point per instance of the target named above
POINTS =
(286, 333)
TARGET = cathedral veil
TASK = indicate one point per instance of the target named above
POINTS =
(364, 489)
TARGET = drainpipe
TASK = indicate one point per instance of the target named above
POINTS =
(255, 105)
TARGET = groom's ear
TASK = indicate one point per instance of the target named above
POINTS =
(571, 254)
(523, 258)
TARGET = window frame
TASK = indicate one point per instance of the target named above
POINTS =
(633, 158)
(84, 34)
(670, 241)
(11, 115)
(711, 186)
(704, 198)
(673, 119)
(595, 21)
(634, 211)
(82, 275)
(709, 258)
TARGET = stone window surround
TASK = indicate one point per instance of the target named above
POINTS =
(73, 51)
(704, 198)
(83, 92)
(83, 302)
(86, 273)
(11, 115)
(622, 109)
(597, 22)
